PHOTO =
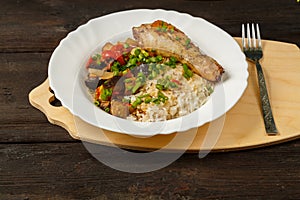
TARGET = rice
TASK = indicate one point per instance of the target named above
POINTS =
(189, 95)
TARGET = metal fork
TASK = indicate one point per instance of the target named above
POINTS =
(254, 53)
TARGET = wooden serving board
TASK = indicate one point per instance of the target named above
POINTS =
(243, 124)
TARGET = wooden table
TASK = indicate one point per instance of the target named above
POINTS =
(41, 161)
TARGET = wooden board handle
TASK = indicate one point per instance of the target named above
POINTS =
(41, 98)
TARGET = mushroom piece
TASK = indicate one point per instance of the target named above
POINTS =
(97, 72)
(102, 73)
(107, 46)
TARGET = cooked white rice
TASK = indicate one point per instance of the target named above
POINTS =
(187, 97)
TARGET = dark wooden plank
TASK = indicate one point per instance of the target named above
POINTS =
(19, 121)
(68, 171)
(20, 73)
(41, 161)
(28, 25)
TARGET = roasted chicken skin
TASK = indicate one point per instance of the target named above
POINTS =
(170, 41)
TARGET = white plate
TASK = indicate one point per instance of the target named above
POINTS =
(66, 71)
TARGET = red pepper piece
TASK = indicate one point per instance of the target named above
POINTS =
(176, 81)
(89, 62)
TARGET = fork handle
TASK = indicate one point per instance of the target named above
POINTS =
(270, 125)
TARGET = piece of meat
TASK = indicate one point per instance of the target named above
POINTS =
(170, 41)
(119, 109)
(131, 42)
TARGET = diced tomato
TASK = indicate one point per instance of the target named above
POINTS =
(89, 62)
(116, 52)
(117, 47)
(108, 54)
(121, 60)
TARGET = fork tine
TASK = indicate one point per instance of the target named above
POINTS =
(253, 36)
(248, 35)
(258, 36)
(243, 37)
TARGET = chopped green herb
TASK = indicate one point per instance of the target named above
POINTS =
(115, 67)
(153, 74)
(97, 103)
(94, 57)
(152, 59)
(145, 53)
(141, 56)
(173, 59)
(172, 30)
(137, 102)
(106, 94)
(126, 46)
(187, 73)
(132, 61)
(148, 99)
(136, 87)
(98, 61)
(210, 89)
(159, 58)
(164, 27)
(144, 95)
(116, 73)
(173, 85)
(172, 62)
(137, 52)
(129, 80)
(159, 86)
(162, 97)
(156, 100)
(188, 43)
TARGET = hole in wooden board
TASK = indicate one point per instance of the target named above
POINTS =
(51, 90)
(53, 100)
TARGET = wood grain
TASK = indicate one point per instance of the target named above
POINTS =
(19, 75)
(41, 161)
(26, 24)
(278, 58)
(67, 171)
